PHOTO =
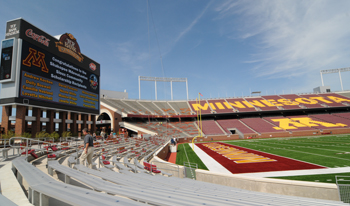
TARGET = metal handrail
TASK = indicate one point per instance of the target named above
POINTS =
(28, 141)
(4, 141)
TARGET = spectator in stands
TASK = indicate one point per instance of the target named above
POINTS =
(102, 134)
(88, 151)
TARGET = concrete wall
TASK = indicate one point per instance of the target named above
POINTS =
(210, 138)
(316, 190)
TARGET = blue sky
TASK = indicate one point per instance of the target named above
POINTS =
(224, 48)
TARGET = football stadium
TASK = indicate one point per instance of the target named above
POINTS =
(286, 149)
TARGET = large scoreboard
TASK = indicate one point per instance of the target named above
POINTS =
(48, 72)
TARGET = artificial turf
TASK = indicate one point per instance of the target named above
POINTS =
(191, 156)
(329, 151)
(327, 178)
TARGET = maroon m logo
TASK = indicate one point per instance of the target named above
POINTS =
(38, 61)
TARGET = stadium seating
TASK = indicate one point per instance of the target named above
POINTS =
(210, 127)
(235, 123)
(41, 183)
(6, 201)
(165, 107)
(241, 105)
(181, 107)
(299, 125)
(259, 125)
(221, 106)
(151, 107)
(203, 107)
(317, 103)
(187, 127)
(136, 105)
(282, 102)
(261, 103)
(332, 119)
(333, 103)
(121, 106)
(343, 115)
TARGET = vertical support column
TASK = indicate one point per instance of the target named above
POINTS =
(44, 200)
(139, 87)
(93, 126)
(6, 113)
(84, 118)
(341, 82)
(155, 82)
(322, 79)
(20, 119)
(79, 125)
(36, 125)
(187, 88)
(50, 126)
(63, 125)
(116, 119)
(171, 88)
(74, 125)
(89, 126)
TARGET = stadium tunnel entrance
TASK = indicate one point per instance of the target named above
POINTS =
(103, 123)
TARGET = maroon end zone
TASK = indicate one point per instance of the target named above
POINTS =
(281, 164)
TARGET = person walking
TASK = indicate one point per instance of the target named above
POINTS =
(102, 134)
(88, 151)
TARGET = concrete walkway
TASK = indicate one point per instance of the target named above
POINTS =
(214, 166)
(10, 187)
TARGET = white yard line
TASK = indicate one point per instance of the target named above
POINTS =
(209, 162)
(311, 147)
(293, 151)
(299, 172)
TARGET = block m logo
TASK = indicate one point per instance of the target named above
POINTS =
(38, 61)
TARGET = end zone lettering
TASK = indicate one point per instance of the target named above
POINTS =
(238, 156)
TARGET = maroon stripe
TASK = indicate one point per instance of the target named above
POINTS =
(281, 164)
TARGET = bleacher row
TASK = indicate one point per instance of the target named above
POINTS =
(228, 105)
(113, 185)
(288, 124)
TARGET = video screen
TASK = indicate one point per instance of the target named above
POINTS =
(6, 59)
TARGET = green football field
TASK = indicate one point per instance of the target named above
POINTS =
(329, 151)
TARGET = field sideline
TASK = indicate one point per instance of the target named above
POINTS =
(328, 151)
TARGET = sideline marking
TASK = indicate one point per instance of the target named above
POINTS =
(210, 162)
(309, 146)
(300, 152)
(185, 152)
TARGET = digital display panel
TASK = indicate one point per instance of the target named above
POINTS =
(49, 79)
(6, 59)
